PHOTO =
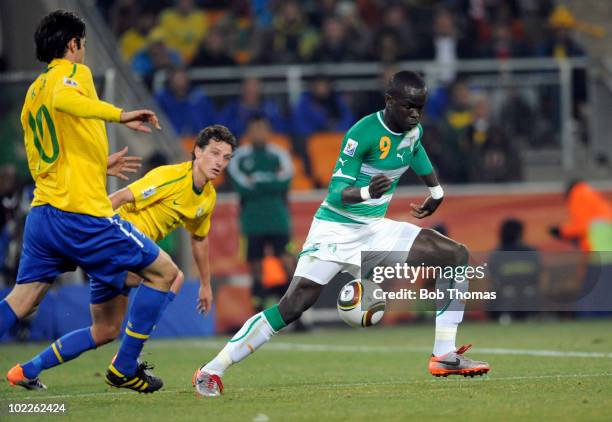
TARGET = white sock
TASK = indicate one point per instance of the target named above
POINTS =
(447, 321)
(445, 339)
(254, 333)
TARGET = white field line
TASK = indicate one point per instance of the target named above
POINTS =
(441, 381)
(306, 347)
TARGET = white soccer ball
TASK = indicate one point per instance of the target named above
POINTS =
(357, 305)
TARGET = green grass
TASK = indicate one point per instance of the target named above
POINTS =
(360, 383)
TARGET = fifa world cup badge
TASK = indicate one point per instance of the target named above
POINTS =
(350, 147)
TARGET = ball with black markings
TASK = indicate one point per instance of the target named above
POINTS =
(358, 305)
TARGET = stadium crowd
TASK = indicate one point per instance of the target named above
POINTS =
(462, 124)
(240, 32)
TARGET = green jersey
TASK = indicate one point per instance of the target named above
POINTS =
(370, 148)
(262, 176)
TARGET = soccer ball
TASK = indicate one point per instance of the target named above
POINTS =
(357, 305)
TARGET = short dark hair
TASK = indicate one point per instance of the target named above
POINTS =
(405, 78)
(54, 32)
(219, 133)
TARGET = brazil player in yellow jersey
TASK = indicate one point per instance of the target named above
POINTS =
(164, 199)
(182, 195)
(72, 223)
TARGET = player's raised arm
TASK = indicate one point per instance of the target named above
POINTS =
(136, 120)
(71, 97)
(68, 99)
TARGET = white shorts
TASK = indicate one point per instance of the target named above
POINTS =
(331, 248)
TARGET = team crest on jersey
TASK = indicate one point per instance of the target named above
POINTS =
(148, 192)
(70, 82)
(350, 147)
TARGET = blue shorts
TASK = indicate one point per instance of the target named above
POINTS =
(106, 248)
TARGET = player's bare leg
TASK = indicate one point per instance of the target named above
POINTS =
(107, 318)
(258, 330)
(24, 298)
(433, 249)
(21, 302)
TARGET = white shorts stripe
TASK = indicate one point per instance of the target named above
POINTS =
(128, 234)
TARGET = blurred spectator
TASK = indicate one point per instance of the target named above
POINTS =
(3, 64)
(456, 118)
(560, 43)
(213, 51)
(292, 39)
(261, 174)
(446, 46)
(320, 10)
(590, 226)
(397, 21)
(503, 45)
(334, 45)
(321, 109)
(493, 159)
(189, 109)
(156, 56)
(135, 38)
(385, 48)
(590, 218)
(370, 101)
(242, 35)
(123, 15)
(515, 269)
(517, 117)
(251, 102)
(13, 206)
(358, 34)
(184, 27)
(262, 13)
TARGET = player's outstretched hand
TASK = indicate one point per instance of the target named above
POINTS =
(205, 299)
(379, 185)
(428, 207)
(137, 119)
(119, 164)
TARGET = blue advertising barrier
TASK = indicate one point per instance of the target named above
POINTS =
(67, 308)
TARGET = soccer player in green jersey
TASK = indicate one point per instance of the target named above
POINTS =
(375, 152)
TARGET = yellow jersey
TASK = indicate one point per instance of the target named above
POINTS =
(165, 199)
(65, 139)
(184, 32)
(130, 43)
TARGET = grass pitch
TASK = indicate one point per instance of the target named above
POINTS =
(540, 371)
